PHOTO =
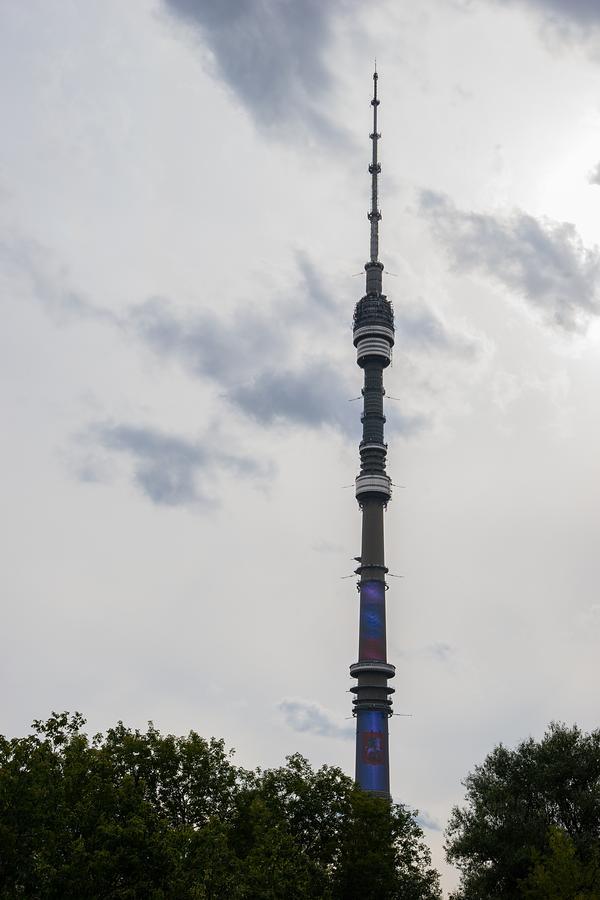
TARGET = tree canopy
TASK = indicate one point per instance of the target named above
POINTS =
(134, 815)
(560, 874)
(531, 820)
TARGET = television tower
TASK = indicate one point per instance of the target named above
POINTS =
(373, 339)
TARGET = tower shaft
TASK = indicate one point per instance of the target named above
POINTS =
(373, 339)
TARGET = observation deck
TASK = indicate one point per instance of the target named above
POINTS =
(373, 327)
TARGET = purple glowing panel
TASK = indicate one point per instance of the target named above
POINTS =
(372, 753)
(372, 621)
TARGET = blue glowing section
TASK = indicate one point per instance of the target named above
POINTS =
(372, 621)
(372, 768)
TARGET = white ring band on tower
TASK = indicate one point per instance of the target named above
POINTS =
(376, 330)
(373, 484)
(373, 346)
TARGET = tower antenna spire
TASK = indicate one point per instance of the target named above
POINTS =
(374, 213)
(373, 267)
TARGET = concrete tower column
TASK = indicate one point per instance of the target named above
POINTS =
(373, 339)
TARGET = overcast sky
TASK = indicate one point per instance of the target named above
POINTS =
(183, 195)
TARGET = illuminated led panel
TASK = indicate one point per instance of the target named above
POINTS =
(372, 621)
(372, 768)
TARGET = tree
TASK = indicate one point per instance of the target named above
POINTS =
(131, 815)
(83, 819)
(314, 804)
(514, 799)
(560, 874)
(383, 854)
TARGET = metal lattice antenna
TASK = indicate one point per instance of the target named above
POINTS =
(373, 267)
(375, 168)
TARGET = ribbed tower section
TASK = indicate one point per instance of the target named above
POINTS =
(373, 339)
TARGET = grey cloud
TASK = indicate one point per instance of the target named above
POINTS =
(86, 466)
(584, 13)
(27, 264)
(225, 350)
(440, 651)
(426, 821)
(313, 396)
(204, 344)
(316, 289)
(313, 393)
(305, 716)
(542, 260)
(229, 352)
(406, 424)
(590, 617)
(249, 355)
(594, 175)
(271, 54)
(169, 470)
(324, 546)
(420, 328)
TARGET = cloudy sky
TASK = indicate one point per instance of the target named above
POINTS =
(183, 191)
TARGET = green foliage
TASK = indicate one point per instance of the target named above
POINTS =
(515, 802)
(140, 815)
(382, 854)
(560, 873)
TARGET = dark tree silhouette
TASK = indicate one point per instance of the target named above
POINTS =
(134, 815)
(517, 802)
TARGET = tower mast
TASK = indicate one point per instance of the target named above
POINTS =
(373, 339)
